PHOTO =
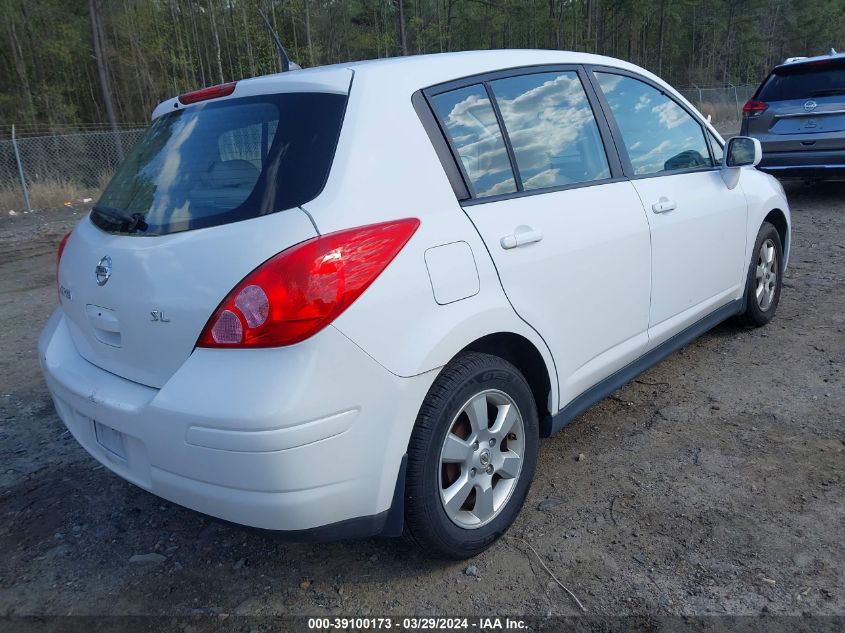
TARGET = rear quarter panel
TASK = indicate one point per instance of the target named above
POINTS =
(386, 168)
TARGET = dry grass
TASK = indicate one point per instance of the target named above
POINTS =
(720, 112)
(49, 194)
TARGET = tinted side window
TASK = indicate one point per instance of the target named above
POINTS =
(468, 118)
(659, 135)
(552, 129)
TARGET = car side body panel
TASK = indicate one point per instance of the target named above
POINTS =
(388, 126)
(490, 310)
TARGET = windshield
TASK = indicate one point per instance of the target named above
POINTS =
(804, 81)
(223, 161)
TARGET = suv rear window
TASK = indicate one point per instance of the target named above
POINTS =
(804, 81)
(224, 161)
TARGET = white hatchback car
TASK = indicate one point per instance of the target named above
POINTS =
(349, 300)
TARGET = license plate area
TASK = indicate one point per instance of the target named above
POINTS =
(110, 440)
(818, 122)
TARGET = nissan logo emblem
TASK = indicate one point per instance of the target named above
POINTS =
(810, 105)
(103, 270)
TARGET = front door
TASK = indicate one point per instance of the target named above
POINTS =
(698, 230)
(571, 246)
(698, 225)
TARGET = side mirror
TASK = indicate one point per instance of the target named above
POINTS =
(741, 151)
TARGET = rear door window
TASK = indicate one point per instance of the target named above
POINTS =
(468, 118)
(552, 130)
(224, 161)
(659, 135)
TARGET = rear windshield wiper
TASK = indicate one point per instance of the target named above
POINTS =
(130, 223)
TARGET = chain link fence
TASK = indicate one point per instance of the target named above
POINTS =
(47, 170)
(722, 104)
(59, 169)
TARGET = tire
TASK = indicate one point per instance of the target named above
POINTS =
(484, 473)
(765, 278)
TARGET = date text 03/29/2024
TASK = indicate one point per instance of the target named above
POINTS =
(417, 623)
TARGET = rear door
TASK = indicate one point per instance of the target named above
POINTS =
(568, 237)
(698, 225)
(208, 194)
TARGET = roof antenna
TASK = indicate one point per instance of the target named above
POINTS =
(284, 61)
(832, 51)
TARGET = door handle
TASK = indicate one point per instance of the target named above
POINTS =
(663, 205)
(521, 236)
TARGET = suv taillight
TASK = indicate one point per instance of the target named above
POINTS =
(298, 292)
(754, 108)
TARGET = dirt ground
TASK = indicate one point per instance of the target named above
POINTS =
(711, 485)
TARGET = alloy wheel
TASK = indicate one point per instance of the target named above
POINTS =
(481, 459)
(766, 274)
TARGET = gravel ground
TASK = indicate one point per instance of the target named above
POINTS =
(711, 485)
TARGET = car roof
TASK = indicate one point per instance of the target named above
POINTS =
(419, 71)
(464, 63)
(409, 74)
(793, 62)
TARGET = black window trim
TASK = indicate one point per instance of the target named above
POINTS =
(442, 145)
(627, 167)
(506, 137)
(451, 162)
(712, 140)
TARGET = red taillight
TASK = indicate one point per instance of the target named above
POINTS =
(301, 290)
(753, 107)
(212, 92)
(61, 250)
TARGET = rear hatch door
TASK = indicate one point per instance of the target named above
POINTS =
(208, 194)
(144, 321)
(806, 107)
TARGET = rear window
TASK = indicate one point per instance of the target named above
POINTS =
(804, 81)
(224, 161)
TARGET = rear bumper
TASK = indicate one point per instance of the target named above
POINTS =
(307, 439)
(804, 164)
